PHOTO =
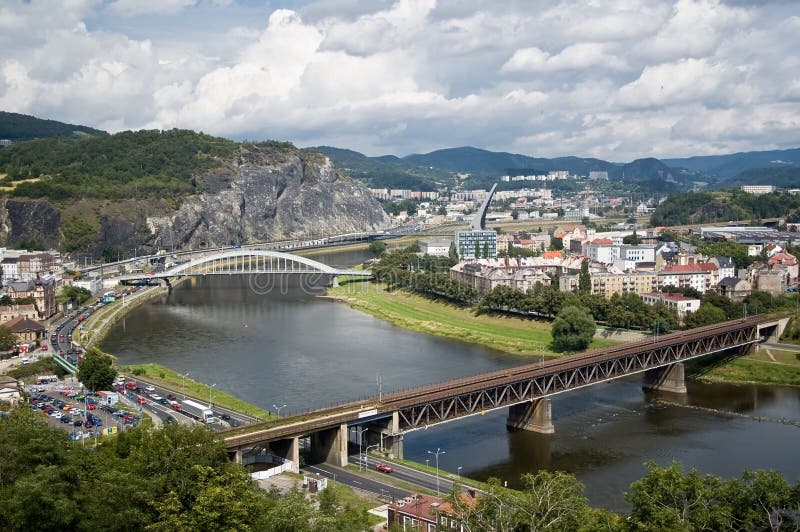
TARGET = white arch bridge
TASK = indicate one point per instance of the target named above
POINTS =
(246, 262)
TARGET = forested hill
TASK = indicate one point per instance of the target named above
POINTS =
(387, 171)
(723, 206)
(18, 127)
(125, 165)
(784, 177)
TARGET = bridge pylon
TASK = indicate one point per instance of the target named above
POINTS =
(665, 379)
(535, 416)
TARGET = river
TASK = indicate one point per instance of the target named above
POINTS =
(273, 342)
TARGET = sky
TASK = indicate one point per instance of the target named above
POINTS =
(613, 79)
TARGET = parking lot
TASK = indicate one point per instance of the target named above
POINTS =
(82, 415)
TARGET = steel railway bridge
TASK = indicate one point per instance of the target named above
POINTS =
(524, 390)
(245, 262)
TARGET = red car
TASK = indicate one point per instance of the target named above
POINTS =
(44, 347)
(383, 468)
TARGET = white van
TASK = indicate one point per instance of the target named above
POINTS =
(25, 360)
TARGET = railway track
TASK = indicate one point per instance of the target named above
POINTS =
(349, 411)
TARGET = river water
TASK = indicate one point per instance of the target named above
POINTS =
(273, 342)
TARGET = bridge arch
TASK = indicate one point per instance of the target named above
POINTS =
(311, 265)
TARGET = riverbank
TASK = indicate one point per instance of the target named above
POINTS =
(763, 365)
(171, 379)
(521, 336)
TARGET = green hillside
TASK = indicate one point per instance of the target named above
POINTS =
(17, 127)
(784, 177)
(730, 165)
(723, 206)
(137, 164)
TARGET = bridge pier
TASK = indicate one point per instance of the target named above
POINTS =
(288, 449)
(334, 281)
(665, 379)
(535, 416)
(330, 446)
(392, 439)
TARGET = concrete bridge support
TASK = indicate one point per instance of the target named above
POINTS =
(391, 439)
(334, 281)
(536, 416)
(288, 449)
(330, 446)
(665, 379)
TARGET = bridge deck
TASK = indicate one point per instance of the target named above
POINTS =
(526, 382)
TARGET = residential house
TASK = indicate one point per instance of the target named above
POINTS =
(10, 269)
(9, 312)
(43, 291)
(679, 302)
(789, 264)
(599, 250)
(27, 330)
(427, 513)
(725, 265)
(608, 284)
(734, 288)
(694, 276)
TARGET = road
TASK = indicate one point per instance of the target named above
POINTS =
(355, 480)
(367, 482)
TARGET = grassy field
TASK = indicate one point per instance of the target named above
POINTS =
(174, 380)
(510, 334)
(767, 366)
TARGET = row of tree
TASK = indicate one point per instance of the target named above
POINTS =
(667, 498)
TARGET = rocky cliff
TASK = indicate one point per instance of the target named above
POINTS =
(271, 197)
(262, 193)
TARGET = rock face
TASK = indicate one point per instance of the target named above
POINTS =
(270, 197)
(29, 223)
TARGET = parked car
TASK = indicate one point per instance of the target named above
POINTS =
(383, 468)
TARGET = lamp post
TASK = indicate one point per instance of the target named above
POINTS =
(458, 471)
(210, 391)
(183, 383)
(359, 431)
(436, 454)
(278, 409)
(366, 454)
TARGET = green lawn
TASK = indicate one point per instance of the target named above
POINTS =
(782, 367)
(506, 333)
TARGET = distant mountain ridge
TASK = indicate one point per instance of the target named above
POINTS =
(729, 166)
(18, 127)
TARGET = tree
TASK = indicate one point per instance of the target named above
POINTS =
(453, 253)
(73, 294)
(485, 250)
(573, 329)
(95, 371)
(8, 339)
(584, 279)
(707, 314)
(477, 250)
(632, 240)
(377, 247)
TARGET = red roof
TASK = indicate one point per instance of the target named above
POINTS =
(603, 241)
(708, 266)
(687, 268)
(551, 255)
(783, 258)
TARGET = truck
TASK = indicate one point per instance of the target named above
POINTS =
(198, 411)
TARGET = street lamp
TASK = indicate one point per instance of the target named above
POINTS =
(210, 391)
(437, 453)
(278, 409)
(360, 431)
(183, 383)
(427, 462)
(366, 454)
(458, 471)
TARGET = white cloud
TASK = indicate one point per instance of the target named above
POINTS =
(617, 79)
